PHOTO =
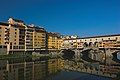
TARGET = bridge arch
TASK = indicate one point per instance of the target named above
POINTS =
(118, 55)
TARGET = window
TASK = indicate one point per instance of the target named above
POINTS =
(10, 47)
(10, 43)
(4, 46)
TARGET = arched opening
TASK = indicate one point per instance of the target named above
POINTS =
(85, 44)
(96, 44)
(90, 44)
(118, 55)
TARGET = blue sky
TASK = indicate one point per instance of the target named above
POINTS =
(81, 17)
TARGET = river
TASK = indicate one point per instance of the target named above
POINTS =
(45, 69)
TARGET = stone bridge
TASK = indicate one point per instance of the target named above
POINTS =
(94, 54)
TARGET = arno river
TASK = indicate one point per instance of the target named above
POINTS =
(41, 69)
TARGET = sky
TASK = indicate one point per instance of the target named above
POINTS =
(68, 17)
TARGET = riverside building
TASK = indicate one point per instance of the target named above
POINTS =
(17, 37)
(54, 41)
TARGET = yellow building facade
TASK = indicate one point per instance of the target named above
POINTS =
(54, 41)
(39, 38)
(16, 36)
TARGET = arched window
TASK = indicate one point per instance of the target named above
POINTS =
(85, 44)
(96, 44)
(90, 44)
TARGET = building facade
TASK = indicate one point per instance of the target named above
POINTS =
(16, 36)
(4, 37)
(107, 41)
(53, 41)
(39, 38)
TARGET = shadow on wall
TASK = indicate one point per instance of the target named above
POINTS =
(68, 54)
(115, 56)
(85, 56)
(90, 44)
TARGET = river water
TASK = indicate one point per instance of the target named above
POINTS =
(40, 69)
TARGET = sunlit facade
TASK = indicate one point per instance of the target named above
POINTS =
(16, 36)
(39, 38)
(107, 41)
(4, 37)
(53, 41)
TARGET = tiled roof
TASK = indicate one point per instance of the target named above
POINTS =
(102, 36)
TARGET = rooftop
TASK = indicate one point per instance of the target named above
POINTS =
(95, 36)
(18, 20)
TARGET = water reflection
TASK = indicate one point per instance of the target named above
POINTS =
(45, 69)
(28, 70)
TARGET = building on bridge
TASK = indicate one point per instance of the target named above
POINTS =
(105, 41)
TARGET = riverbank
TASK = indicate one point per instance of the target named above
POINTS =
(16, 56)
(24, 56)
